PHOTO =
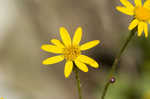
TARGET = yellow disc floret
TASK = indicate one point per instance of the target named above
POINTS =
(71, 52)
(143, 14)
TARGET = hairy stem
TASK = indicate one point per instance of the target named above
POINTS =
(115, 63)
(78, 82)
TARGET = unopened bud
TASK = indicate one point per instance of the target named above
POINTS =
(112, 80)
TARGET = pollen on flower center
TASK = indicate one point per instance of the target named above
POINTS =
(71, 52)
(143, 14)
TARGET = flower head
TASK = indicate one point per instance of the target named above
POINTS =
(70, 51)
(140, 12)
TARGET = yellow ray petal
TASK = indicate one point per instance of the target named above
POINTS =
(51, 48)
(77, 36)
(138, 3)
(133, 24)
(125, 10)
(146, 29)
(88, 60)
(53, 60)
(149, 22)
(81, 66)
(57, 43)
(147, 4)
(68, 68)
(65, 36)
(127, 4)
(89, 45)
(140, 28)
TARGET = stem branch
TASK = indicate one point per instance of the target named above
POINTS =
(115, 63)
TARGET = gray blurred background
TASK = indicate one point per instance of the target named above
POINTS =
(27, 24)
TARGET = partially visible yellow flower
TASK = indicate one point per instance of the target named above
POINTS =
(146, 95)
(140, 12)
(1, 98)
(71, 51)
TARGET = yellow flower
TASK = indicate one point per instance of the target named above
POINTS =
(141, 13)
(71, 51)
(1, 98)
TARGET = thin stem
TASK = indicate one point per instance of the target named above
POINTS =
(115, 63)
(78, 82)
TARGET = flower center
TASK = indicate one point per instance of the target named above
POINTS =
(71, 52)
(143, 14)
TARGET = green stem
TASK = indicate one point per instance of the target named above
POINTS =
(115, 63)
(78, 82)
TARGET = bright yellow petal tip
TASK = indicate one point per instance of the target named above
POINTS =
(140, 28)
(77, 36)
(89, 45)
(133, 24)
(65, 36)
(57, 43)
(53, 60)
(127, 4)
(81, 66)
(68, 68)
(87, 60)
(146, 29)
(51, 48)
(138, 3)
(125, 10)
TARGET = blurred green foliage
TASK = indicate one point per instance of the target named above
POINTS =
(130, 86)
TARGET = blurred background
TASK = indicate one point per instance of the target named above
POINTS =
(27, 24)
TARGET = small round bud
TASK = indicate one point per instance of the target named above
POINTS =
(112, 80)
